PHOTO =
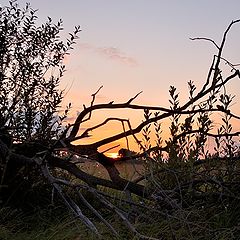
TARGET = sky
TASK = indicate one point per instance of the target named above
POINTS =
(130, 46)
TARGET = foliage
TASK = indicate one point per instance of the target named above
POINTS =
(31, 65)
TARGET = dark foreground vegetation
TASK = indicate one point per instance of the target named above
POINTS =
(186, 191)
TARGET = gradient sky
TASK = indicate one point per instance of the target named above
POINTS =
(134, 45)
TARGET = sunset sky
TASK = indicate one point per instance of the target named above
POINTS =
(134, 45)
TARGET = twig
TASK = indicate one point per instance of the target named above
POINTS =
(206, 39)
(133, 98)
(111, 148)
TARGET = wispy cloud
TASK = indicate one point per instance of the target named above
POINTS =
(111, 53)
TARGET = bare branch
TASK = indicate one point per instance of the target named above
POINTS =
(81, 119)
(111, 148)
(154, 119)
(118, 183)
(67, 200)
(206, 39)
(133, 98)
(85, 133)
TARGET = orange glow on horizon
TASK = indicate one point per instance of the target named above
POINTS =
(112, 155)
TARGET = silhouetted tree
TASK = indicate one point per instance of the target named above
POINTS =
(31, 65)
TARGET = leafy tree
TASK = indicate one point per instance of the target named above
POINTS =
(31, 65)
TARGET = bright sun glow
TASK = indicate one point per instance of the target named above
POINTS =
(112, 155)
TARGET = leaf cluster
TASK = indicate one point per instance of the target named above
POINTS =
(31, 66)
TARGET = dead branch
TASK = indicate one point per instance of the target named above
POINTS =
(117, 182)
(85, 133)
(206, 39)
(154, 119)
(67, 200)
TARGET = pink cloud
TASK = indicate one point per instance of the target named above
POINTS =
(111, 53)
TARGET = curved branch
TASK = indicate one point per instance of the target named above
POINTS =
(206, 39)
